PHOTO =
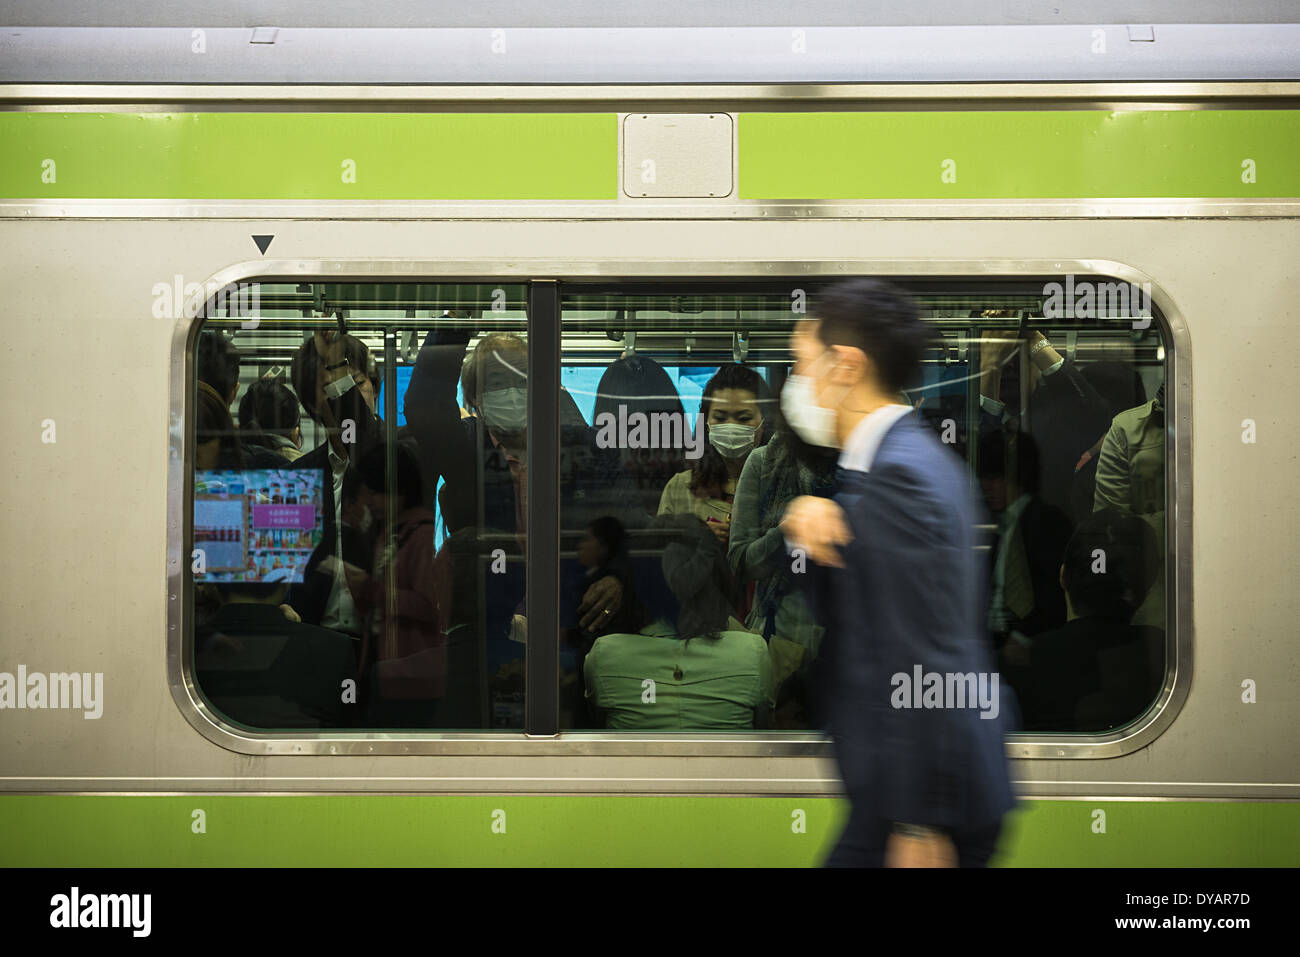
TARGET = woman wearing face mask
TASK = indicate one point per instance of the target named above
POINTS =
(731, 413)
(774, 475)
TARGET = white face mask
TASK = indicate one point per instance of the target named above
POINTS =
(340, 387)
(505, 410)
(812, 423)
(732, 440)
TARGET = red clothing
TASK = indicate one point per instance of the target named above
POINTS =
(410, 656)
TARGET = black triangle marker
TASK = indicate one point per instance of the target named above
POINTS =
(263, 242)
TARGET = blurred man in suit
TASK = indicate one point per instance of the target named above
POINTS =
(911, 699)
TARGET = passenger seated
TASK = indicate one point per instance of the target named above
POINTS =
(264, 670)
(1025, 597)
(270, 417)
(603, 551)
(731, 417)
(701, 673)
(1098, 670)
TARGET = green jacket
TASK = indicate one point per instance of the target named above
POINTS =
(1131, 466)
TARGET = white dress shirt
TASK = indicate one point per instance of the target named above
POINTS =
(864, 441)
(340, 611)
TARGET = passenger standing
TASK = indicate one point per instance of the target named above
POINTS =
(731, 415)
(1066, 413)
(269, 416)
(638, 385)
(774, 475)
(1131, 478)
(216, 441)
(484, 456)
(928, 785)
(217, 370)
(404, 600)
(329, 374)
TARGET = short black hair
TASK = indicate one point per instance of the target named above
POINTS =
(269, 406)
(302, 371)
(217, 363)
(880, 319)
(212, 421)
(639, 383)
(709, 471)
(609, 531)
(372, 472)
(695, 569)
(1128, 546)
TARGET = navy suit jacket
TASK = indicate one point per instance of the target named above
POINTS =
(912, 592)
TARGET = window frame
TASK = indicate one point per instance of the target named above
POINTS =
(548, 280)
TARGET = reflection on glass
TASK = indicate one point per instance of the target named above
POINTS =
(1052, 419)
(360, 522)
(361, 485)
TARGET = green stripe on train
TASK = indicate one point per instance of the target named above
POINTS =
(597, 831)
(1072, 154)
(358, 156)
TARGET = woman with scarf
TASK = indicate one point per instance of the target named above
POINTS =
(774, 475)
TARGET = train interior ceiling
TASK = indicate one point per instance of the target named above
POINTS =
(691, 331)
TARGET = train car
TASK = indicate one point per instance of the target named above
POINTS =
(576, 193)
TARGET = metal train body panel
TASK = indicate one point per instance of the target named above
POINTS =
(94, 506)
(94, 521)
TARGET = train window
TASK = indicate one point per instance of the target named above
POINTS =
(356, 522)
(360, 476)
(681, 609)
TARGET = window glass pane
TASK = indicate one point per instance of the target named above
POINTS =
(358, 558)
(683, 609)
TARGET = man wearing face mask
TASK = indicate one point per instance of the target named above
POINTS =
(484, 457)
(896, 583)
(330, 376)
